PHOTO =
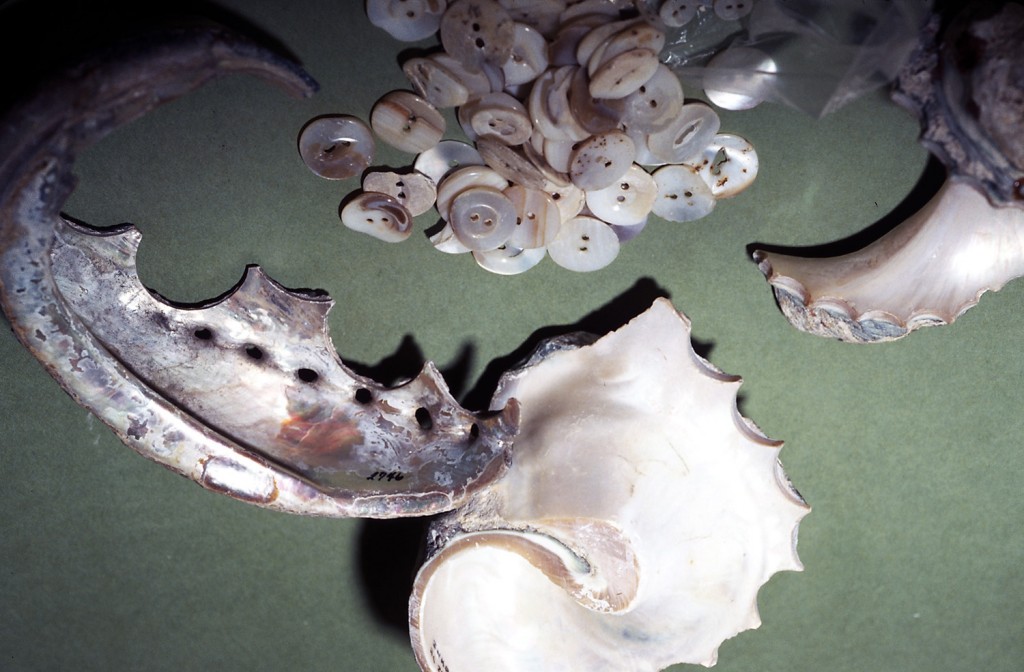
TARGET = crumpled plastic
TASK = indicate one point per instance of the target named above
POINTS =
(811, 55)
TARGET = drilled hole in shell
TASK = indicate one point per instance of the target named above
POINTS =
(423, 419)
(307, 375)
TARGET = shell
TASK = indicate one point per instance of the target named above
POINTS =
(437, 84)
(728, 164)
(498, 116)
(653, 106)
(683, 195)
(678, 13)
(244, 394)
(462, 178)
(967, 89)
(732, 10)
(538, 218)
(686, 136)
(529, 56)
(925, 272)
(623, 74)
(601, 160)
(634, 529)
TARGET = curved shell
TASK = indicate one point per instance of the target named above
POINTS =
(244, 394)
(967, 88)
(925, 272)
(634, 529)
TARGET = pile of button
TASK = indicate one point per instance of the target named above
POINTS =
(579, 132)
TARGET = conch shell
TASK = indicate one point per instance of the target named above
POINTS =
(967, 88)
(640, 517)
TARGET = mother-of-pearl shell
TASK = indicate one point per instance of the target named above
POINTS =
(963, 82)
(406, 20)
(378, 214)
(407, 122)
(244, 394)
(337, 146)
(639, 519)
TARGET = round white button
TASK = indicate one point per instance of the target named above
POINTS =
(482, 218)
(628, 201)
(683, 196)
(584, 244)
(336, 147)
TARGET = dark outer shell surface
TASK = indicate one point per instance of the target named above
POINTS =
(966, 85)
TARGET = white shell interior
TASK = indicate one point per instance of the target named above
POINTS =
(638, 521)
(927, 271)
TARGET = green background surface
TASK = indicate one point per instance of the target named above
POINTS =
(909, 453)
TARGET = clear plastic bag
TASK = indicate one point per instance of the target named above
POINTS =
(812, 55)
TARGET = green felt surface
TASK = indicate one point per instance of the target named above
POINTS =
(909, 453)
